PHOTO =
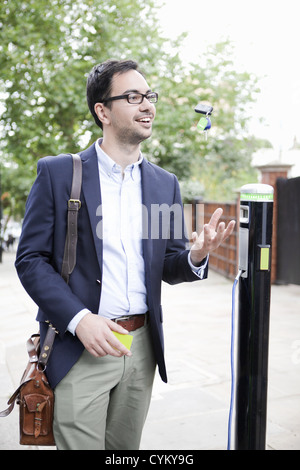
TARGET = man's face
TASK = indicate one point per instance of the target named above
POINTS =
(130, 123)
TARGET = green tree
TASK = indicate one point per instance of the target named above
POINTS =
(47, 48)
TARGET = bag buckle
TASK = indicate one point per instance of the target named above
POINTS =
(74, 204)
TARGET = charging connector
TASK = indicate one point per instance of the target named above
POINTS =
(236, 280)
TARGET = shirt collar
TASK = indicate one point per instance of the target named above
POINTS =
(110, 166)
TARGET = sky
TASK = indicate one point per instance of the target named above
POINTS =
(266, 39)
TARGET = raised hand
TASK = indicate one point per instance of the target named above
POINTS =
(211, 237)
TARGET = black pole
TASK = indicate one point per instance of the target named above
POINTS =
(256, 214)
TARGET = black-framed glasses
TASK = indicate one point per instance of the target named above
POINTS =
(135, 98)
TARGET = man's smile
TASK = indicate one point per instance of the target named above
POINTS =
(145, 120)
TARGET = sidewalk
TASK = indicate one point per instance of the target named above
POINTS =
(191, 411)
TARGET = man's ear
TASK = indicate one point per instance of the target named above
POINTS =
(102, 113)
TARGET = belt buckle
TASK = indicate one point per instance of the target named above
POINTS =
(123, 318)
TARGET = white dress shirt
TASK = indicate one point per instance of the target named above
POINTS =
(123, 273)
(123, 290)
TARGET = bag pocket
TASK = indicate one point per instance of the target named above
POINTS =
(35, 414)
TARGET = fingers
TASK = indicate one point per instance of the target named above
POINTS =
(95, 333)
(218, 236)
(229, 229)
(111, 345)
(215, 218)
(220, 229)
(211, 237)
(222, 233)
(108, 346)
(194, 237)
(214, 233)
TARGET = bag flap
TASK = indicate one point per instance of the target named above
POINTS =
(35, 402)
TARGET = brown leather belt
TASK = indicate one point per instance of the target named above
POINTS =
(132, 322)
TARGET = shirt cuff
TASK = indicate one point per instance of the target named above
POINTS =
(198, 270)
(75, 320)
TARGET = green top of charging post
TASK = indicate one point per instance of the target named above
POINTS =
(257, 193)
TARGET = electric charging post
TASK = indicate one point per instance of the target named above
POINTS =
(255, 242)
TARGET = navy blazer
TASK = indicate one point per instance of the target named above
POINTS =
(41, 247)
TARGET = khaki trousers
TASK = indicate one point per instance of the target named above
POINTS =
(102, 403)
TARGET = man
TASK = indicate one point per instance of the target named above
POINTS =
(103, 389)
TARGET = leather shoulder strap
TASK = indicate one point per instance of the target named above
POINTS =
(77, 177)
(74, 205)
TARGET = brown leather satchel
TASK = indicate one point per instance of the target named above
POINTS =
(34, 394)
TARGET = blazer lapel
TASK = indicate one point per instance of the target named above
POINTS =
(92, 196)
(148, 195)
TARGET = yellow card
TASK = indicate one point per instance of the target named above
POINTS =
(124, 339)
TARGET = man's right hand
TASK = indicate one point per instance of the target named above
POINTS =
(95, 333)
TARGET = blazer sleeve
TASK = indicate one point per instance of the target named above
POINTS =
(176, 264)
(36, 263)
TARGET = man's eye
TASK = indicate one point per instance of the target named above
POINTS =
(134, 97)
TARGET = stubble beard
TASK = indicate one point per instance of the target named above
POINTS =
(132, 137)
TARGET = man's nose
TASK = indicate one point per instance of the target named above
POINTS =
(147, 106)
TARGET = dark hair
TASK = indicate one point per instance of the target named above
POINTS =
(99, 82)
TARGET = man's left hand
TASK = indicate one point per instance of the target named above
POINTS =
(211, 237)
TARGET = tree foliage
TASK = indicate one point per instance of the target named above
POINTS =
(47, 48)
